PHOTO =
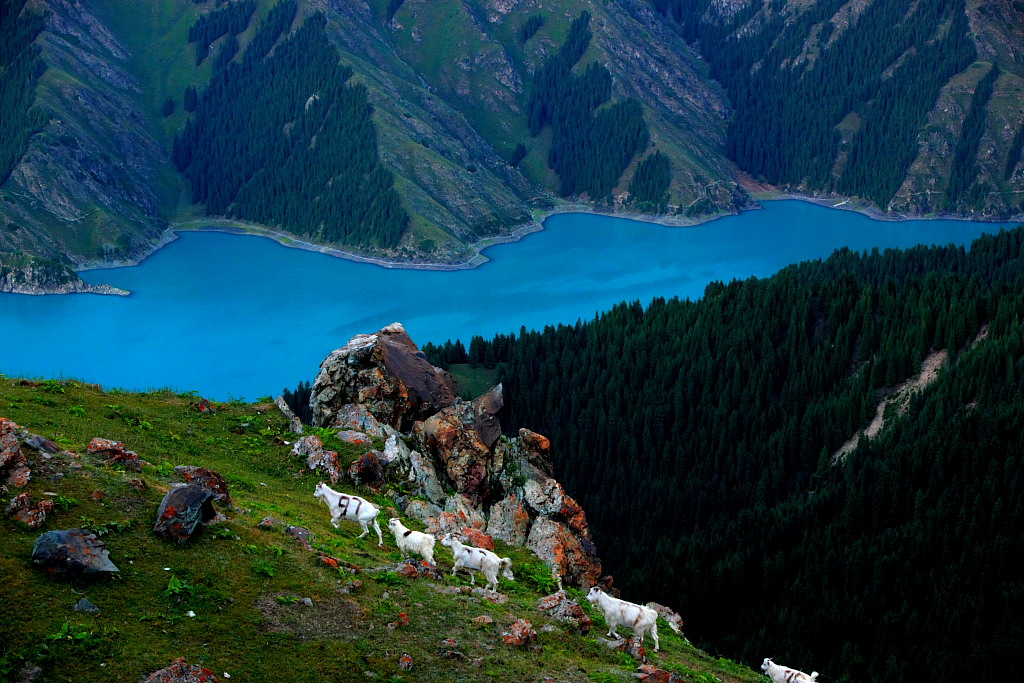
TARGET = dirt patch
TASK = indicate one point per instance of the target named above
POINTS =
(334, 618)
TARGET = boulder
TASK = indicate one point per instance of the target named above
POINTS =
(477, 539)
(41, 444)
(72, 552)
(294, 423)
(29, 513)
(485, 414)
(537, 448)
(13, 462)
(116, 453)
(520, 633)
(453, 438)
(385, 372)
(358, 418)
(573, 557)
(405, 662)
(395, 451)
(652, 674)
(317, 457)
(302, 535)
(367, 470)
(422, 510)
(354, 437)
(183, 510)
(181, 672)
(86, 607)
(418, 569)
(559, 606)
(208, 479)
(509, 521)
(204, 406)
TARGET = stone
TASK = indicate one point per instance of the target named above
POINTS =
(477, 539)
(208, 479)
(675, 622)
(317, 457)
(520, 633)
(509, 521)
(300, 534)
(573, 557)
(29, 513)
(294, 423)
(354, 437)
(652, 674)
(423, 478)
(387, 373)
(41, 444)
(465, 513)
(560, 607)
(405, 662)
(86, 607)
(418, 569)
(138, 484)
(359, 418)
(72, 552)
(395, 451)
(452, 437)
(12, 460)
(116, 453)
(308, 602)
(204, 406)
(422, 510)
(183, 511)
(367, 470)
(181, 672)
(485, 409)
(267, 523)
(484, 620)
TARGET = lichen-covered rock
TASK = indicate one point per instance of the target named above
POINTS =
(367, 470)
(520, 633)
(354, 437)
(116, 453)
(652, 674)
(208, 479)
(358, 418)
(423, 478)
(294, 423)
(317, 457)
(13, 462)
(405, 662)
(418, 569)
(302, 535)
(574, 558)
(181, 672)
(72, 552)
(422, 510)
(453, 438)
(509, 521)
(385, 372)
(182, 512)
(675, 622)
(477, 539)
(485, 414)
(559, 606)
(29, 513)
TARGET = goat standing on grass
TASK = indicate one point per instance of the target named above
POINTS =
(409, 541)
(469, 558)
(349, 507)
(642, 620)
(783, 674)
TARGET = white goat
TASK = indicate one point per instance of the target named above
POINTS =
(469, 558)
(349, 507)
(642, 620)
(783, 674)
(409, 541)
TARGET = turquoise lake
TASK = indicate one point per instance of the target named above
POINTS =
(236, 316)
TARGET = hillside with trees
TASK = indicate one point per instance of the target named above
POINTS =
(705, 439)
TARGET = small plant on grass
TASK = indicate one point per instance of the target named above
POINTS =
(537, 576)
(288, 599)
(63, 503)
(387, 578)
(53, 386)
(264, 567)
(222, 532)
(179, 588)
(77, 411)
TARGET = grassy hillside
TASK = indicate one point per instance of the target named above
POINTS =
(245, 583)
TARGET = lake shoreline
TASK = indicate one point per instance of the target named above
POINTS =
(758, 194)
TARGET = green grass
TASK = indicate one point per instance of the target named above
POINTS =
(244, 584)
(473, 381)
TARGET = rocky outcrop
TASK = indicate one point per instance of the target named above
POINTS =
(453, 438)
(115, 453)
(559, 606)
(72, 552)
(387, 374)
(13, 463)
(31, 514)
(182, 512)
(207, 479)
(182, 672)
(317, 457)
(24, 274)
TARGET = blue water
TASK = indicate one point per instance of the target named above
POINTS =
(235, 316)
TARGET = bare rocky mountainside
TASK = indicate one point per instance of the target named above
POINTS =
(486, 114)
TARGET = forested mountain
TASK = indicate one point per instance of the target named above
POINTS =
(898, 102)
(705, 440)
(481, 112)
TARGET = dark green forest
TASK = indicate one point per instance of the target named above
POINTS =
(649, 188)
(700, 438)
(304, 159)
(887, 74)
(964, 169)
(20, 69)
(590, 147)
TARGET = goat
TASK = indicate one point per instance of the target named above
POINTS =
(783, 674)
(409, 541)
(469, 558)
(642, 620)
(349, 507)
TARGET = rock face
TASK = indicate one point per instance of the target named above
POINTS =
(183, 510)
(475, 483)
(385, 372)
(72, 552)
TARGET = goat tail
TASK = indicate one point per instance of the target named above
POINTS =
(814, 676)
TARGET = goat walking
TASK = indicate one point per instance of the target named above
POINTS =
(349, 507)
(469, 558)
(642, 620)
(409, 541)
(783, 674)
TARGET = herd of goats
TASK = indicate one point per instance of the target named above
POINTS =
(640, 618)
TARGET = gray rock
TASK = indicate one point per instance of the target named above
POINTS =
(84, 605)
(72, 552)
(183, 510)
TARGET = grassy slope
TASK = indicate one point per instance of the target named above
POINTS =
(249, 623)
